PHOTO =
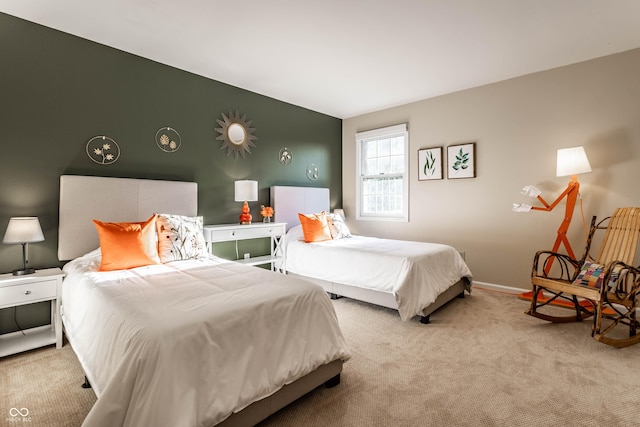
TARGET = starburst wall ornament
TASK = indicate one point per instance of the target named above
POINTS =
(236, 134)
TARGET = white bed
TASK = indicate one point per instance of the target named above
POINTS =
(415, 278)
(196, 342)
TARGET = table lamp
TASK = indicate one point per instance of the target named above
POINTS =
(23, 230)
(246, 191)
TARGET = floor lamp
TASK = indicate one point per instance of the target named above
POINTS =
(570, 162)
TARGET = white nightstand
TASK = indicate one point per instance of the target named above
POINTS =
(259, 230)
(43, 285)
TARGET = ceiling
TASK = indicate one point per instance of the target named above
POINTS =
(344, 58)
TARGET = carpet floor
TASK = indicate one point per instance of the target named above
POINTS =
(480, 362)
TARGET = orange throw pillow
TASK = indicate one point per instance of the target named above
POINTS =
(315, 227)
(127, 244)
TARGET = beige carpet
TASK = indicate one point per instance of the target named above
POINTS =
(481, 362)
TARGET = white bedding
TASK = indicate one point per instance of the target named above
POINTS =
(189, 342)
(414, 272)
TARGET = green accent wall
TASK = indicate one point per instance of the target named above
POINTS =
(57, 91)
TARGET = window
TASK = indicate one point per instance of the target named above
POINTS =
(382, 170)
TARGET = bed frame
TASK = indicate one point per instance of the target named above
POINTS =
(84, 198)
(288, 201)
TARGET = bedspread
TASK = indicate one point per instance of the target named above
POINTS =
(415, 272)
(189, 342)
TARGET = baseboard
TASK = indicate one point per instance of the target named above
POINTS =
(512, 290)
(499, 288)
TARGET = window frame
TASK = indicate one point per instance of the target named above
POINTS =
(377, 134)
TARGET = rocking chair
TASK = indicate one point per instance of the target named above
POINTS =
(605, 287)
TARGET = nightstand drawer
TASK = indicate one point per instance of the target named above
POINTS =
(23, 294)
(243, 234)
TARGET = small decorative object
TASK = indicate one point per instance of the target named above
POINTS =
(23, 230)
(429, 163)
(285, 156)
(461, 161)
(168, 139)
(246, 191)
(266, 212)
(313, 173)
(236, 134)
(103, 150)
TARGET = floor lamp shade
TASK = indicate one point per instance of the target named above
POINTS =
(23, 230)
(572, 161)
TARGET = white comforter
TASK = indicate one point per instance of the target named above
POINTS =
(416, 273)
(187, 343)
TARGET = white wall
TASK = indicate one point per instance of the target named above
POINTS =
(517, 125)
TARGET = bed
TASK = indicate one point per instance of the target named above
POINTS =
(190, 342)
(415, 278)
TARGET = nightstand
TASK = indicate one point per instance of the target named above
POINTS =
(43, 285)
(260, 230)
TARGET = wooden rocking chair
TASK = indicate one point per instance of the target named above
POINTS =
(605, 287)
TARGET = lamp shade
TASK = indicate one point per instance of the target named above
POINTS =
(572, 161)
(23, 230)
(246, 191)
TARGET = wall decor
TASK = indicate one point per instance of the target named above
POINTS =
(168, 139)
(461, 161)
(236, 134)
(429, 163)
(285, 156)
(103, 150)
(313, 173)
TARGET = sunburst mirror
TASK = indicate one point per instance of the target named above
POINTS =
(236, 134)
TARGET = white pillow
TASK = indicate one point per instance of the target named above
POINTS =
(294, 233)
(180, 237)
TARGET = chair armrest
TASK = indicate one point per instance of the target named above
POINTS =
(621, 279)
(569, 267)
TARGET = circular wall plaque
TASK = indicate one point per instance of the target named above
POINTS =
(103, 150)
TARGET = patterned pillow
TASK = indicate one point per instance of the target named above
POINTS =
(180, 237)
(591, 275)
(338, 228)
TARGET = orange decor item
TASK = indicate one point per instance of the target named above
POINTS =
(266, 211)
(245, 216)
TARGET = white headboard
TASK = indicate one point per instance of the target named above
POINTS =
(84, 198)
(287, 202)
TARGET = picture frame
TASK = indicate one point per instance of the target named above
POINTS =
(430, 163)
(461, 161)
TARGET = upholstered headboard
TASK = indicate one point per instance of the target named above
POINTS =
(84, 198)
(287, 202)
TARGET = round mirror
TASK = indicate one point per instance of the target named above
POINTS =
(236, 133)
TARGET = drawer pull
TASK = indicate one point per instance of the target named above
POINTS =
(27, 292)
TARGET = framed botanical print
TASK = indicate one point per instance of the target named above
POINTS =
(461, 161)
(429, 163)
